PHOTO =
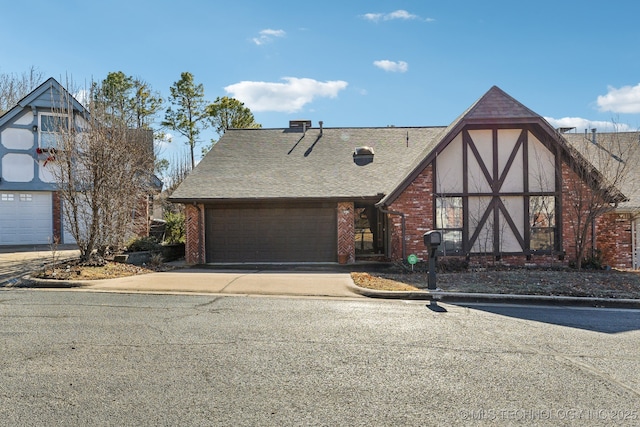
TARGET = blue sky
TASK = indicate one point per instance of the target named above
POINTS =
(347, 63)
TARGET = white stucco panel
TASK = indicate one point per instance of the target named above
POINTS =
(507, 139)
(483, 139)
(541, 166)
(17, 167)
(25, 119)
(45, 172)
(17, 139)
(448, 170)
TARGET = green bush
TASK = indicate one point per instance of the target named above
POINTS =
(174, 227)
(146, 243)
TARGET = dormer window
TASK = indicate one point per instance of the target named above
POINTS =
(49, 129)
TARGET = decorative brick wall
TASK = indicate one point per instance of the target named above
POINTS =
(572, 188)
(416, 203)
(346, 231)
(613, 230)
(614, 239)
(57, 216)
(194, 229)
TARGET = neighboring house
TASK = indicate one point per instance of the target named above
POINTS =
(30, 208)
(492, 182)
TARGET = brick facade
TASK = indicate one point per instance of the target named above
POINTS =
(56, 203)
(346, 232)
(416, 205)
(613, 230)
(194, 230)
(615, 239)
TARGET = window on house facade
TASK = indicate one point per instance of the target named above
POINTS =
(449, 221)
(5, 197)
(25, 197)
(542, 222)
(50, 125)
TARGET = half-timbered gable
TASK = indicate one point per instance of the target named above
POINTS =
(496, 185)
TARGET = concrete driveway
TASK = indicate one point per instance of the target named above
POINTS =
(237, 282)
(17, 261)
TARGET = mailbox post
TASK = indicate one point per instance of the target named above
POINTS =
(432, 240)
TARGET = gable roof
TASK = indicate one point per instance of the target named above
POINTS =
(49, 94)
(287, 164)
(272, 164)
(496, 107)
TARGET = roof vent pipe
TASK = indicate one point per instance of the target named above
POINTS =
(593, 136)
(320, 123)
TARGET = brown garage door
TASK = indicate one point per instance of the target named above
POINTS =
(271, 234)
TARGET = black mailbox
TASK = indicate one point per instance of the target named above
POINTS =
(432, 240)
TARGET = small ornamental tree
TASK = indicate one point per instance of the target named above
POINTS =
(103, 172)
(605, 167)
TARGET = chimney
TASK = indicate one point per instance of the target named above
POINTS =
(593, 136)
(302, 125)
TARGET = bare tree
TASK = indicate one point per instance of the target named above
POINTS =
(605, 166)
(14, 87)
(103, 172)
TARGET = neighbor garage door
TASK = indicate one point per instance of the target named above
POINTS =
(25, 218)
(271, 234)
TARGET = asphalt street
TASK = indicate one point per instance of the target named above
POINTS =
(91, 358)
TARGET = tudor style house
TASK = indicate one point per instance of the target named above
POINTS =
(496, 182)
(30, 208)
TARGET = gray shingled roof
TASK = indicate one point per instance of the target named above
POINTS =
(250, 164)
(611, 148)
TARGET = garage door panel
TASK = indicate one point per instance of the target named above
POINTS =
(277, 234)
(25, 218)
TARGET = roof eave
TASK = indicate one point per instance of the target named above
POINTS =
(245, 200)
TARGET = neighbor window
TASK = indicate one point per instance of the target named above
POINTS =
(542, 222)
(50, 127)
(449, 221)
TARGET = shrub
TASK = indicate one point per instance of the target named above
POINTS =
(146, 243)
(174, 227)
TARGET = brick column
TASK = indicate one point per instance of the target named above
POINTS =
(194, 229)
(57, 217)
(346, 231)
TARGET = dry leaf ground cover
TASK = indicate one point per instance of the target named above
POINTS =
(110, 270)
(600, 283)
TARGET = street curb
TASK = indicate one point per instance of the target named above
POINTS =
(28, 281)
(461, 297)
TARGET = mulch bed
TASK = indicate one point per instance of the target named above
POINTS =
(591, 283)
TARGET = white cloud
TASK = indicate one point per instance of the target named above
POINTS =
(581, 124)
(623, 100)
(267, 36)
(396, 67)
(288, 97)
(397, 14)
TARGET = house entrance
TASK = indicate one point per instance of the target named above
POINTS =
(369, 232)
